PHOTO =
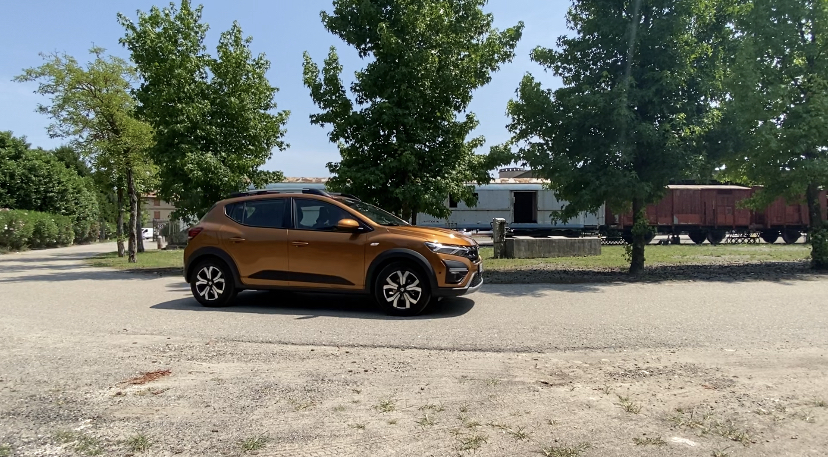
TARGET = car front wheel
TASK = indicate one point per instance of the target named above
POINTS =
(212, 284)
(402, 290)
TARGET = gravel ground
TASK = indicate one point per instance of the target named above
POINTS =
(733, 367)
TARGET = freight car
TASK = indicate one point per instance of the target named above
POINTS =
(714, 212)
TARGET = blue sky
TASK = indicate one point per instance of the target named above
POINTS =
(282, 29)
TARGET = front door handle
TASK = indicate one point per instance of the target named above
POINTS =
(299, 244)
(237, 239)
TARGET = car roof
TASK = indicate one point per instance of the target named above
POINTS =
(305, 193)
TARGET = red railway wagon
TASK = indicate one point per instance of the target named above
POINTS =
(710, 212)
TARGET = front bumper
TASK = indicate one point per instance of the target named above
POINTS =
(475, 283)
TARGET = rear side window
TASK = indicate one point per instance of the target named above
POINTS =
(259, 213)
(235, 211)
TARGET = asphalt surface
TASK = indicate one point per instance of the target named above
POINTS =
(53, 291)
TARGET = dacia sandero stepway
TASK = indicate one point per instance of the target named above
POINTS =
(315, 241)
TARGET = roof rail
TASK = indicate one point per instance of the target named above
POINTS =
(352, 197)
(248, 193)
(316, 192)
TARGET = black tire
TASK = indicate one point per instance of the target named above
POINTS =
(206, 278)
(402, 289)
(716, 236)
(698, 236)
(769, 236)
(791, 236)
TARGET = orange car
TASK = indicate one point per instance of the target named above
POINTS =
(319, 242)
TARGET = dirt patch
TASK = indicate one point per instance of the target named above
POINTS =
(233, 398)
(147, 377)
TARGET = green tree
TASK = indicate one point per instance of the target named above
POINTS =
(400, 139)
(213, 116)
(35, 180)
(779, 105)
(641, 79)
(93, 107)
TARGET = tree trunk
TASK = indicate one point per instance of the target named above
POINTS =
(639, 235)
(133, 207)
(406, 212)
(817, 234)
(119, 226)
(138, 223)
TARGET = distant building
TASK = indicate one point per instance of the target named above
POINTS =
(158, 209)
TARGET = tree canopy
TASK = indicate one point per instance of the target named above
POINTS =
(641, 80)
(779, 105)
(402, 144)
(213, 117)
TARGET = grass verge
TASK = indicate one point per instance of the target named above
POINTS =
(164, 262)
(613, 256)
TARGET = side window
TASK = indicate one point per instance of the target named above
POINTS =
(235, 211)
(259, 213)
(318, 215)
(265, 213)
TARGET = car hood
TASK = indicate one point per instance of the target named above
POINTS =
(432, 234)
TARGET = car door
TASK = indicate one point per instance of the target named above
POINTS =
(257, 240)
(320, 256)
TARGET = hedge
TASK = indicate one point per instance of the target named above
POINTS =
(21, 229)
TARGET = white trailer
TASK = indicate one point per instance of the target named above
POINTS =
(524, 202)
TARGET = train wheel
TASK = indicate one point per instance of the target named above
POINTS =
(716, 236)
(627, 237)
(769, 236)
(791, 236)
(698, 236)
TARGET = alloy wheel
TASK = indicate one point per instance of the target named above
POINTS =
(402, 289)
(210, 283)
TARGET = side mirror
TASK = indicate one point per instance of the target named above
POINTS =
(347, 225)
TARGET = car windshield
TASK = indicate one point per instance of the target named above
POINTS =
(377, 215)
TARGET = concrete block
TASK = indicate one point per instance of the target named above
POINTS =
(534, 248)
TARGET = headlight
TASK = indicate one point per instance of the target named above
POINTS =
(450, 249)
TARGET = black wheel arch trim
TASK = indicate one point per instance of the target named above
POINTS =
(402, 255)
(200, 253)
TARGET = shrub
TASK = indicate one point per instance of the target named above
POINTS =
(45, 230)
(21, 229)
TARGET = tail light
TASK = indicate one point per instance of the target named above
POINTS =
(193, 232)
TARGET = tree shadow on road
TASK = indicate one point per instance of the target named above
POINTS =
(310, 306)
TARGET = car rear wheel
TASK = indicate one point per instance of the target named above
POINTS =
(402, 290)
(212, 284)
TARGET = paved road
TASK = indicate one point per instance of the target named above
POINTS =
(54, 291)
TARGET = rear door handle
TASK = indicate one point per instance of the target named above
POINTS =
(299, 243)
(237, 239)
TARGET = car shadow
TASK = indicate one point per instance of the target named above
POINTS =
(310, 306)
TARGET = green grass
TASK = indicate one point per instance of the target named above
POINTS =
(150, 260)
(253, 443)
(5, 451)
(139, 443)
(613, 256)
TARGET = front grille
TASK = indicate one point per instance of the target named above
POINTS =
(473, 254)
(478, 278)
